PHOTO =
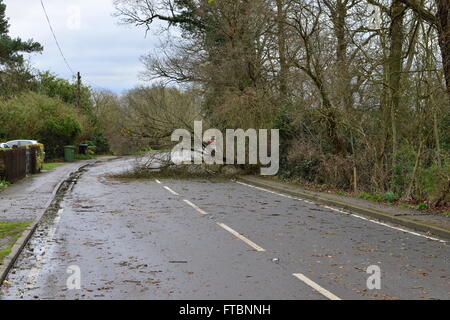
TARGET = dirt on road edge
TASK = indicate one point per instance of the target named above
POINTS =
(409, 222)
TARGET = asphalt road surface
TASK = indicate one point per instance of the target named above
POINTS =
(193, 239)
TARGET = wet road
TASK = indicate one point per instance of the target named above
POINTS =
(216, 240)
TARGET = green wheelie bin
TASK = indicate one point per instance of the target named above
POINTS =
(69, 153)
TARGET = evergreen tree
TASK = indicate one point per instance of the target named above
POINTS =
(11, 49)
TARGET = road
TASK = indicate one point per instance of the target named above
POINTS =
(193, 239)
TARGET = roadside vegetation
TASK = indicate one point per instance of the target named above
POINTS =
(386, 198)
(9, 233)
(38, 105)
(4, 184)
(51, 165)
(358, 89)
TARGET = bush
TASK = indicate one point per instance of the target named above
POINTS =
(101, 144)
(305, 160)
(421, 206)
(59, 132)
(370, 197)
(402, 173)
(434, 182)
(389, 197)
(49, 120)
(4, 184)
(98, 145)
(40, 157)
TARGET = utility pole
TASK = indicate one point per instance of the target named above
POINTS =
(78, 90)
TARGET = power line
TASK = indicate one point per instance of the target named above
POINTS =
(56, 40)
(96, 85)
(60, 49)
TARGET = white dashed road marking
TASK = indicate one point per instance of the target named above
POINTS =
(195, 207)
(171, 191)
(241, 237)
(316, 287)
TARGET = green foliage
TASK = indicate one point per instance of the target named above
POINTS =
(84, 156)
(283, 122)
(339, 123)
(389, 197)
(15, 75)
(91, 150)
(40, 156)
(64, 126)
(434, 182)
(58, 132)
(421, 206)
(445, 125)
(52, 86)
(370, 197)
(48, 120)
(4, 184)
(9, 233)
(306, 169)
(99, 144)
(15, 79)
(50, 166)
(402, 173)
(11, 49)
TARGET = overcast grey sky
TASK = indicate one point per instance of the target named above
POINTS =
(105, 52)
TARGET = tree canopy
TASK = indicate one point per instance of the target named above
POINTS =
(12, 49)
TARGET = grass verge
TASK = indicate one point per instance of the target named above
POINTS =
(9, 233)
(4, 184)
(386, 198)
(50, 166)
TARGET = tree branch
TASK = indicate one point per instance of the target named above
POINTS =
(421, 11)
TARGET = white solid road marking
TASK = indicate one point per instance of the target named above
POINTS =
(241, 237)
(334, 209)
(347, 213)
(171, 191)
(34, 272)
(273, 192)
(158, 181)
(397, 228)
(316, 287)
(195, 207)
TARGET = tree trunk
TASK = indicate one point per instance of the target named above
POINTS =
(416, 168)
(282, 49)
(395, 68)
(339, 17)
(436, 135)
(443, 17)
(442, 22)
